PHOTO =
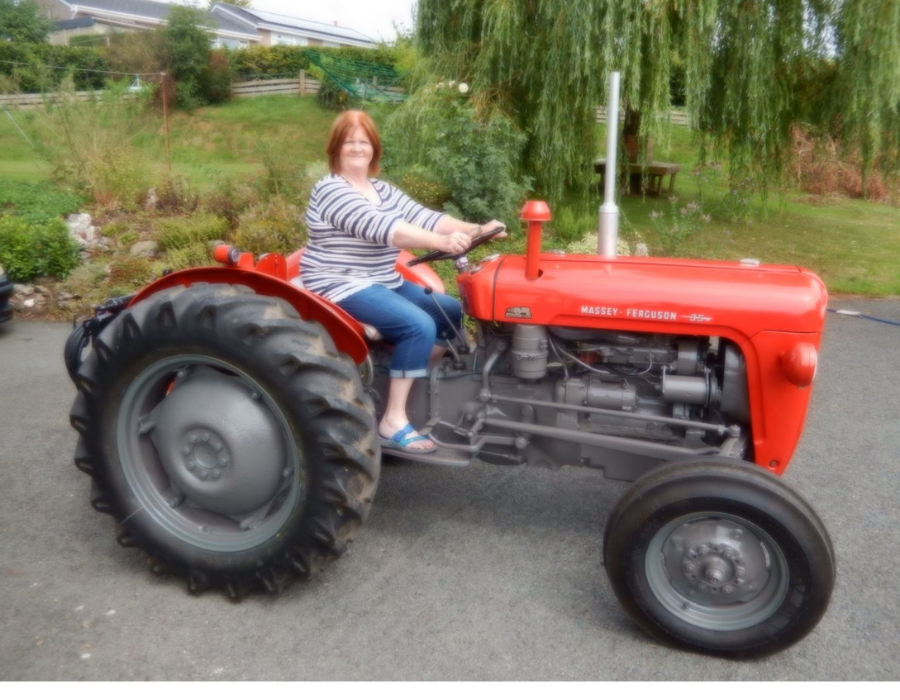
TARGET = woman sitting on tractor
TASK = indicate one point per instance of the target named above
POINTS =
(357, 226)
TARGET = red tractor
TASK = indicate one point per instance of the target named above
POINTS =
(226, 418)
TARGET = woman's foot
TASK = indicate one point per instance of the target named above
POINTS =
(404, 438)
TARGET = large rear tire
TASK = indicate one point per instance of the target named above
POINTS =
(227, 437)
(720, 557)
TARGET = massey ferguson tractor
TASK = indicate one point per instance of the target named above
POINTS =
(226, 417)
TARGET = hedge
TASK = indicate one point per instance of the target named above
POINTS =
(33, 67)
(259, 61)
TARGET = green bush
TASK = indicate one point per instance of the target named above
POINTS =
(260, 61)
(131, 272)
(177, 196)
(426, 188)
(331, 95)
(186, 37)
(31, 250)
(183, 233)
(36, 202)
(229, 197)
(215, 81)
(276, 226)
(36, 67)
(194, 255)
(477, 156)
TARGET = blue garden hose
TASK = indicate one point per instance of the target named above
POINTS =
(860, 314)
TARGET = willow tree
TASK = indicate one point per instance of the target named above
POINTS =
(752, 68)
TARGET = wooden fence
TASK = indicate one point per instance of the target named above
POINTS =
(34, 100)
(301, 85)
(675, 116)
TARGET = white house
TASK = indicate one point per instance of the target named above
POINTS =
(234, 27)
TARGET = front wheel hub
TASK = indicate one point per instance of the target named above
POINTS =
(219, 443)
(717, 571)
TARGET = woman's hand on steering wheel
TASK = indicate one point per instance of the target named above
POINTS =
(451, 250)
(455, 243)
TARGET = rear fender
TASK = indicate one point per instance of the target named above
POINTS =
(346, 333)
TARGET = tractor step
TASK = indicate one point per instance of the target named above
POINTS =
(441, 457)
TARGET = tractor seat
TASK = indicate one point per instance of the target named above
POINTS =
(371, 333)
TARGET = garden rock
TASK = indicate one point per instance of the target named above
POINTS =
(144, 249)
(81, 230)
(152, 199)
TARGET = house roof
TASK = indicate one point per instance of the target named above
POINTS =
(272, 20)
(153, 10)
(140, 8)
(75, 23)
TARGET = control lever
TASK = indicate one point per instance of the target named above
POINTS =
(457, 362)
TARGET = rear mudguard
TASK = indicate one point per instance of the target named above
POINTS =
(346, 333)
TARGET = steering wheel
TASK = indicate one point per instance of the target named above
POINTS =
(477, 241)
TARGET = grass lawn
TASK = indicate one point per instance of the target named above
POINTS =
(853, 245)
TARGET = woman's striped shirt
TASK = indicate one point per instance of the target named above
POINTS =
(350, 238)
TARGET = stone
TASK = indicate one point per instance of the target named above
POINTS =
(28, 303)
(38, 289)
(144, 249)
(24, 289)
(80, 225)
(152, 199)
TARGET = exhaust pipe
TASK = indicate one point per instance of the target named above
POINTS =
(608, 234)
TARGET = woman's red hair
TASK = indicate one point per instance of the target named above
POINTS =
(340, 130)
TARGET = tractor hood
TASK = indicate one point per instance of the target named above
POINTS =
(657, 295)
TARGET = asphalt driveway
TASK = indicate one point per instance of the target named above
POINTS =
(488, 573)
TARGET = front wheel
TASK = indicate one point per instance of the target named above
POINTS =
(226, 436)
(719, 557)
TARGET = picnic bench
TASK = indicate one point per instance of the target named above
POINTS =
(655, 173)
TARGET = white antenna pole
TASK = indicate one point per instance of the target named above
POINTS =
(608, 238)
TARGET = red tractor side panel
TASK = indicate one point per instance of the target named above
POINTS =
(766, 310)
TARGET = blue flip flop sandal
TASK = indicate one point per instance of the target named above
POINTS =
(401, 441)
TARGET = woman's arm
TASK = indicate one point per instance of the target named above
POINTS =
(408, 236)
(447, 224)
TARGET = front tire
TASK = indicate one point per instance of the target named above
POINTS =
(720, 557)
(227, 437)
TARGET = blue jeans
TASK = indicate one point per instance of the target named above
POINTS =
(408, 318)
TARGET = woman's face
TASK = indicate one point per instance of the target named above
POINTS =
(357, 152)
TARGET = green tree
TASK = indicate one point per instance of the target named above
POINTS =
(22, 21)
(246, 4)
(747, 66)
(186, 47)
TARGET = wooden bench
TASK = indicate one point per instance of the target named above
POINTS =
(655, 173)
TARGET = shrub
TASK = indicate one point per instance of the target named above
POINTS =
(194, 255)
(229, 198)
(176, 196)
(331, 95)
(425, 188)
(273, 227)
(117, 178)
(283, 176)
(476, 156)
(182, 233)
(131, 272)
(89, 145)
(34, 250)
(258, 61)
(27, 66)
(215, 81)
(186, 47)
